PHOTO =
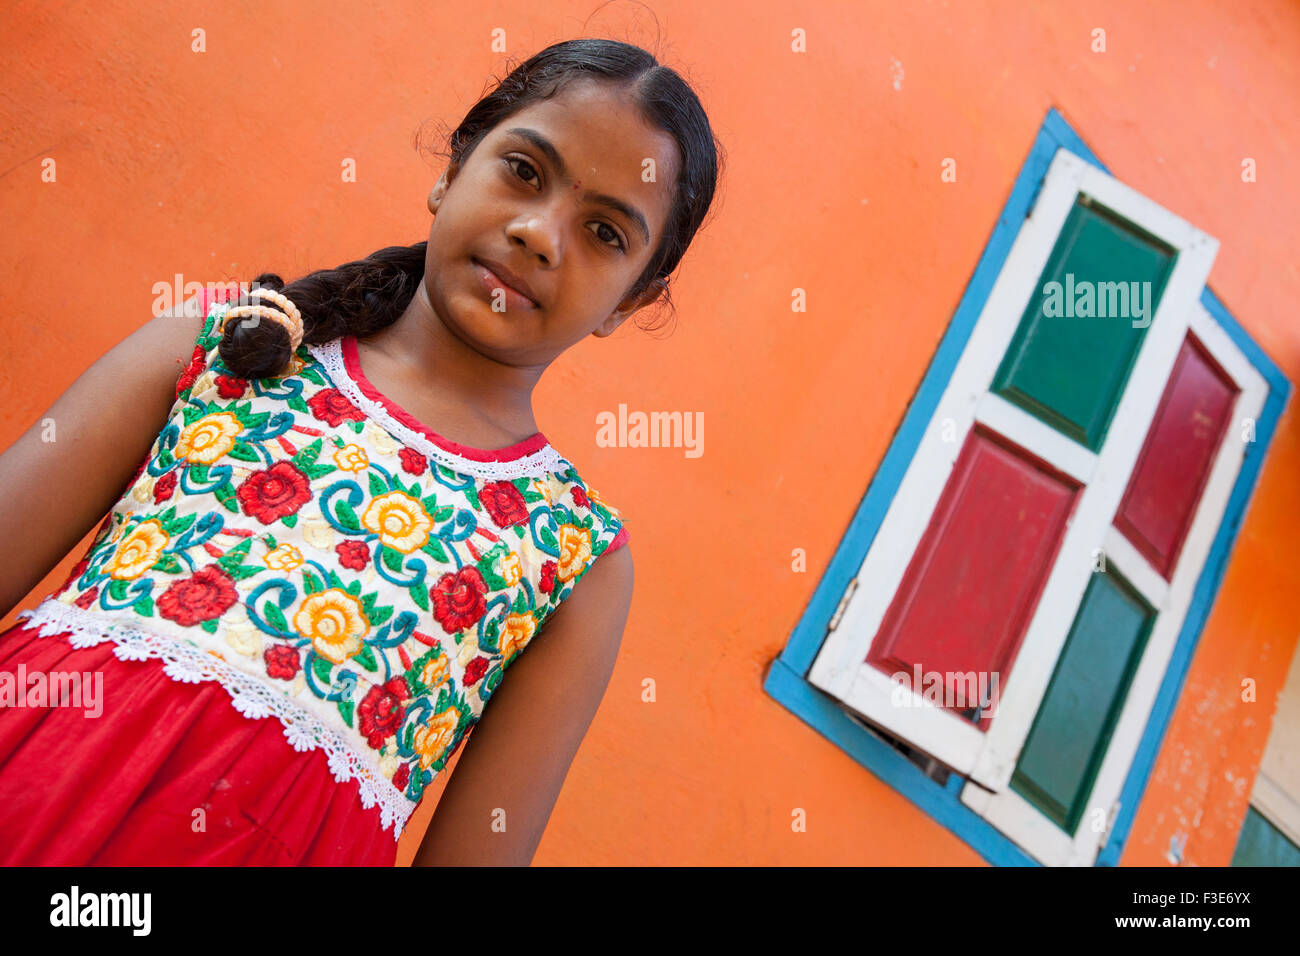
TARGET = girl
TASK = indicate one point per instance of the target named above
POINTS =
(349, 525)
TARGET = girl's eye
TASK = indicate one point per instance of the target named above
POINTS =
(511, 160)
(514, 161)
(605, 225)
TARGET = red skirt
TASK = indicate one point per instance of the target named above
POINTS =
(125, 788)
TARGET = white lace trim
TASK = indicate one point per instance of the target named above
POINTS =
(250, 696)
(538, 464)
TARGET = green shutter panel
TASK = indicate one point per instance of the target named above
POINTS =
(1069, 369)
(1073, 726)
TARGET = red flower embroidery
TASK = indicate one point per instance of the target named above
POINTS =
(548, 577)
(402, 776)
(382, 711)
(477, 667)
(274, 493)
(281, 661)
(86, 600)
(580, 497)
(504, 503)
(192, 370)
(458, 599)
(231, 387)
(331, 405)
(164, 487)
(353, 554)
(412, 461)
(202, 596)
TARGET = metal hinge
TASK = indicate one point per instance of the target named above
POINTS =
(1110, 824)
(844, 603)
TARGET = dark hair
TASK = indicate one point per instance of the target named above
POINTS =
(365, 295)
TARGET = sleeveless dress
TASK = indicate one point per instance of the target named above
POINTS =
(285, 627)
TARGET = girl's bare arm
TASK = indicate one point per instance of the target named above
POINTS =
(64, 473)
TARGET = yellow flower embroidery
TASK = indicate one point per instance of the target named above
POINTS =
(207, 439)
(543, 489)
(382, 441)
(352, 458)
(575, 549)
(284, 558)
(202, 383)
(138, 551)
(468, 650)
(400, 521)
(318, 533)
(244, 638)
(436, 736)
(143, 490)
(516, 633)
(511, 569)
(435, 672)
(335, 622)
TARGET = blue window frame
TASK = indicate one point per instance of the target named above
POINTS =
(788, 677)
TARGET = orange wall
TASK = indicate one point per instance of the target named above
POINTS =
(833, 187)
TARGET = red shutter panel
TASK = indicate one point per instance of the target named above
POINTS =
(1174, 465)
(970, 590)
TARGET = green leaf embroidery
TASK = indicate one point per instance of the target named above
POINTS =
(226, 495)
(275, 617)
(168, 564)
(241, 571)
(243, 452)
(177, 526)
(366, 658)
(435, 548)
(347, 517)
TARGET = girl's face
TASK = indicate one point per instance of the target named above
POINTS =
(555, 194)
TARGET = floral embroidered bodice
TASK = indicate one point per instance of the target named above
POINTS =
(334, 563)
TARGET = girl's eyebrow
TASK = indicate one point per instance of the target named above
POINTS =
(555, 159)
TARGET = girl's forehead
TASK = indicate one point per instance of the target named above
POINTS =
(607, 130)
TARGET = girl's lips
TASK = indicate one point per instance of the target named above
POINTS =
(491, 283)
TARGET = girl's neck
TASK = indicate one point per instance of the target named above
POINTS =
(423, 366)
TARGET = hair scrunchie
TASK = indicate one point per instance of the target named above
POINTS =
(287, 314)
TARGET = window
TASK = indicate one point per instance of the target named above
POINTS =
(1008, 606)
